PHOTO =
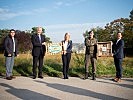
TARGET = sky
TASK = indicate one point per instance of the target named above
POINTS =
(60, 16)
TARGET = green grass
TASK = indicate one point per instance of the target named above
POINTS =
(53, 66)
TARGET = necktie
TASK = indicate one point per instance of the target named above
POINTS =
(40, 38)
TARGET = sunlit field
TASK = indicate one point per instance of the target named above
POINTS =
(53, 66)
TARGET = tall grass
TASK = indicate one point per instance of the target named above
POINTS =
(53, 66)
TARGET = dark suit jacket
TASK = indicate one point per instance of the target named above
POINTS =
(118, 49)
(38, 48)
(69, 46)
(8, 46)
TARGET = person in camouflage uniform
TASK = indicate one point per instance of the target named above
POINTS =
(90, 54)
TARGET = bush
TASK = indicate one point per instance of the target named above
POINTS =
(53, 66)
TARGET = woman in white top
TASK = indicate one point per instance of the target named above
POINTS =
(66, 54)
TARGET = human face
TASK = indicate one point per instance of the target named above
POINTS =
(91, 34)
(12, 33)
(67, 37)
(39, 30)
(119, 35)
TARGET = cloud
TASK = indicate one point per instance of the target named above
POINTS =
(68, 3)
(6, 14)
(40, 10)
(56, 32)
(59, 3)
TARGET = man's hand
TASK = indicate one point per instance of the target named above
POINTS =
(64, 52)
(9, 55)
(43, 43)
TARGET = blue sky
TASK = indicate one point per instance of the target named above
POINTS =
(61, 16)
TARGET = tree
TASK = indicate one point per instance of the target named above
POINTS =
(131, 15)
(24, 41)
(3, 34)
(124, 25)
(99, 33)
(34, 30)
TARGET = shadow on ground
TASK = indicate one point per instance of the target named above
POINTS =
(26, 94)
(80, 91)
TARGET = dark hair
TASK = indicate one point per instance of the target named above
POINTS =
(12, 30)
(90, 32)
(119, 32)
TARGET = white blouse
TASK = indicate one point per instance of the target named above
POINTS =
(65, 45)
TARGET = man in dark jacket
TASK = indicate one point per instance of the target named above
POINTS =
(118, 47)
(38, 51)
(10, 51)
(90, 54)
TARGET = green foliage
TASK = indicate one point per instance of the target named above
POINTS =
(51, 71)
(53, 66)
(78, 59)
(34, 30)
(124, 25)
(23, 67)
(131, 15)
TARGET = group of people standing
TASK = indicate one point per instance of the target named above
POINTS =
(39, 49)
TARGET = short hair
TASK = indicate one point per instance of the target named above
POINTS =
(119, 32)
(39, 27)
(90, 32)
(12, 30)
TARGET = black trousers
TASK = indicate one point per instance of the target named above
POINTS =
(66, 61)
(118, 66)
(35, 61)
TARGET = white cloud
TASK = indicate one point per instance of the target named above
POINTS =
(68, 3)
(40, 10)
(56, 32)
(6, 14)
(59, 3)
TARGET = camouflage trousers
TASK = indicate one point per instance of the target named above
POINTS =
(90, 58)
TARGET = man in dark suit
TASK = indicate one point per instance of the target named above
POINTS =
(10, 51)
(118, 47)
(38, 51)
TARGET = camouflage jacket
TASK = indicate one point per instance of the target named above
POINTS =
(91, 45)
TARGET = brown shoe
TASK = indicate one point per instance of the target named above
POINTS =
(118, 80)
(8, 78)
(115, 79)
(13, 77)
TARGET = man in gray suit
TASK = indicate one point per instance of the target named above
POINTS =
(90, 54)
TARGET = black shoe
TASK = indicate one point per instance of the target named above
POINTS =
(67, 77)
(34, 77)
(40, 77)
(86, 75)
(93, 77)
(8, 78)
